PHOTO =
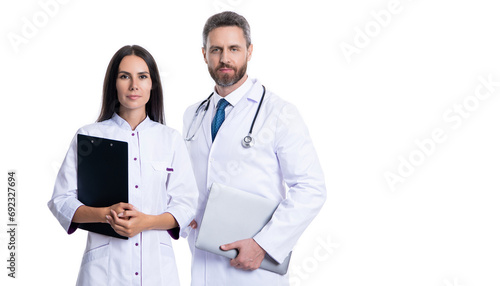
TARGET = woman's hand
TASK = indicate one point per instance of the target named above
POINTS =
(120, 208)
(128, 222)
(85, 214)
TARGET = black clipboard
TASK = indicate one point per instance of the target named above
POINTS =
(102, 176)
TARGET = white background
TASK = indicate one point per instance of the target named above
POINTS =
(366, 111)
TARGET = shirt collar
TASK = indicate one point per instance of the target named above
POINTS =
(123, 124)
(234, 97)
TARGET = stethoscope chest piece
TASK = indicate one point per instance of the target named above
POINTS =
(247, 141)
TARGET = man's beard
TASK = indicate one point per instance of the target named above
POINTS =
(227, 80)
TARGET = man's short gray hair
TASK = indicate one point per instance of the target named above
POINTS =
(225, 19)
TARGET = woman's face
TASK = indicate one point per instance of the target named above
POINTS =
(133, 84)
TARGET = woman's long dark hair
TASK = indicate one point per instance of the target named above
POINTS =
(110, 103)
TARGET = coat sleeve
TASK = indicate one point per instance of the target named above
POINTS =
(182, 188)
(64, 202)
(304, 178)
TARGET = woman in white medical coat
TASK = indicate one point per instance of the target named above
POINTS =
(162, 188)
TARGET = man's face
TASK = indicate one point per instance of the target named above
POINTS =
(226, 55)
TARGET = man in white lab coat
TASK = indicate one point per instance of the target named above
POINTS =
(281, 165)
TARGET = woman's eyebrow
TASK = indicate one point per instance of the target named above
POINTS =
(126, 72)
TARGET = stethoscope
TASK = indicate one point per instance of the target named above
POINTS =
(247, 141)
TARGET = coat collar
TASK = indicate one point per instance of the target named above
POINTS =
(255, 93)
(234, 97)
(123, 124)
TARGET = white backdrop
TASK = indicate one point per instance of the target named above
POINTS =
(401, 98)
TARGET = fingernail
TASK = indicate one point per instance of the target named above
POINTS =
(120, 214)
(108, 217)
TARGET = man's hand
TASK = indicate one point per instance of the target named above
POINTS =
(250, 254)
(193, 224)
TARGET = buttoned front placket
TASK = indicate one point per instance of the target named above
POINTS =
(135, 198)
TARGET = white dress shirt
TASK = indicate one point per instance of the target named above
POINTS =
(233, 98)
(160, 180)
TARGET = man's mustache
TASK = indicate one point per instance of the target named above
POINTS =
(225, 66)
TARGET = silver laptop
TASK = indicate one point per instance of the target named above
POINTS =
(231, 215)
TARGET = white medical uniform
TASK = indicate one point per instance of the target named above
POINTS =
(282, 165)
(147, 258)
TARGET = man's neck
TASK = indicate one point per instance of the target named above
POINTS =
(223, 91)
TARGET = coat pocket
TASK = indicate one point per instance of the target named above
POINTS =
(94, 268)
(95, 261)
(162, 166)
(168, 266)
(161, 171)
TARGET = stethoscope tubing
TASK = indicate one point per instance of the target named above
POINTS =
(247, 141)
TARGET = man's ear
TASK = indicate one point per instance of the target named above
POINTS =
(249, 52)
(204, 54)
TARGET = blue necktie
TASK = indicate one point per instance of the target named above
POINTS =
(220, 115)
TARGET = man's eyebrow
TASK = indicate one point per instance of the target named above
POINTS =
(231, 46)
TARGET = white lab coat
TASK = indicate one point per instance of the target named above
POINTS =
(282, 165)
(147, 258)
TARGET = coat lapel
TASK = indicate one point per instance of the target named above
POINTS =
(207, 124)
